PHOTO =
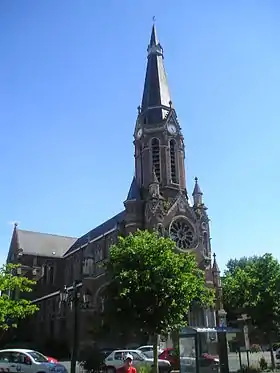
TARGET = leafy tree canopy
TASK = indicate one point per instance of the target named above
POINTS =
(13, 309)
(252, 286)
(239, 263)
(152, 286)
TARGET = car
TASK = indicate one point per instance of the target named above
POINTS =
(116, 359)
(206, 361)
(149, 350)
(51, 359)
(27, 361)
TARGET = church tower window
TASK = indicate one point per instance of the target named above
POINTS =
(156, 157)
(173, 163)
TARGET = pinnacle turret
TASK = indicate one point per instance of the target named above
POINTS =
(197, 193)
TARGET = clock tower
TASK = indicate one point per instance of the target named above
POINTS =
(159, 144)
(158, 197)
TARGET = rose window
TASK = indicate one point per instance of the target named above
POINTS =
(182, 234)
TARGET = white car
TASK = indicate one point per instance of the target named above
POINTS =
(27, 361)
(149, 350)
(116, 360)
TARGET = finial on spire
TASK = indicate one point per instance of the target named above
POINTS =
(154, 19)
(196, 180)
(139, 109)
(170, 104)
(15, 224)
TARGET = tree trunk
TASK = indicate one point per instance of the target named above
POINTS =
(271, 354)
(155, 350)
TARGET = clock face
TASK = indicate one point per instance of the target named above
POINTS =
(139, 133)
(171, 129)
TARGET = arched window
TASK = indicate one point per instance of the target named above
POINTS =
(205, 242)
(173, 163)
(156, 157)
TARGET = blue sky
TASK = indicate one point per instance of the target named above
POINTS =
(71, 78)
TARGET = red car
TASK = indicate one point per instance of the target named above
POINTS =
(51, 359)
(205, 360)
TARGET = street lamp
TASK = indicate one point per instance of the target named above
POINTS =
(75, 301)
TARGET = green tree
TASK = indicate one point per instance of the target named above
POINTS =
(152, 287)
(253, 288)
(13, 309)
(240, 263)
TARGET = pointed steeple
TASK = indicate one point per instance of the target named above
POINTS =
(153, 39)
(156, 97)
(197, 193)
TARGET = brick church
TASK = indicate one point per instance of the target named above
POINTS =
(157, 199)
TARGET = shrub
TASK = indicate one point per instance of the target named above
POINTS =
(144, 369)
(255, 348)
(263, 363)
(249, 369)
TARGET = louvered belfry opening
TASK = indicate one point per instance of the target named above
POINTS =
(156, 157)
(174, 174)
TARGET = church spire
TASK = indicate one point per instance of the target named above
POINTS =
(156, 97)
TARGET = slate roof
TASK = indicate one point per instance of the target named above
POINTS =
(43, 244)
(134, 191)
(156, 90)
(96, 232)
(196, 190)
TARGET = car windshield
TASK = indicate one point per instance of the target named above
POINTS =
(140, 353)
(39, 358)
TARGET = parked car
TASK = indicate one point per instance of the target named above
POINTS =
(106, 351)
(51, 359)
(27, 361)
(149, 350)
(206, 361)
(116, 359)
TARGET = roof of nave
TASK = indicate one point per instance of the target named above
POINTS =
(52, 245)
(97, 232)
(43, 244)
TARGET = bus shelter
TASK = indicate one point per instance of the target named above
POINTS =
(204, 350)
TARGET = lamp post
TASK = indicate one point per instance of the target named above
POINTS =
(73, 299)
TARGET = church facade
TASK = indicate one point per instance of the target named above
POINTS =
(157, 199)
